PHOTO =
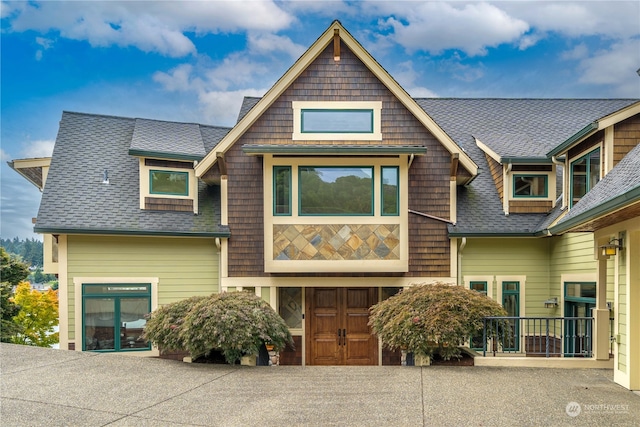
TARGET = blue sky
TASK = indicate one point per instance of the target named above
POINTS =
(194, 61)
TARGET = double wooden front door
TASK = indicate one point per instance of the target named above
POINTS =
(337, 330)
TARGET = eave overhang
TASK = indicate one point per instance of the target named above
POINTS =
(165, 233)
(336, 150)
(164, 156)
(609, 207)
(32, 169)
(496, 235)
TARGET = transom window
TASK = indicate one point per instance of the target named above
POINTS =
(336, 121)
(169, 182)
(530, 186)
(336, 190)
(585, 174)
(114, 316)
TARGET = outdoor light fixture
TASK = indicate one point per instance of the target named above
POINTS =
(551, 303)
(611, 248)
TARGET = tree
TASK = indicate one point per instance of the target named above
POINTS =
(38, 316)
(428, 319)
(12, 272)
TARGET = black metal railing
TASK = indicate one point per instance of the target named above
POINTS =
(538, 336)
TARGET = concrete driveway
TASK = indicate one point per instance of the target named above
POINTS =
(47, 387)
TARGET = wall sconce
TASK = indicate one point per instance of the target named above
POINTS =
(611, 248)
(551, 303)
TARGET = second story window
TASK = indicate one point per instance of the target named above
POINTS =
(530, 186)
(585, 174)
(336, 190)
(169, 182)
(282, 190)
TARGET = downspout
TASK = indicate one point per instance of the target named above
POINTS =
(564, 180)
(463, 243)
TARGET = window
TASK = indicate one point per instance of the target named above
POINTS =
(336, 190)
(290, 306)
(282, 190)
(169, 182)
(530, 186)
(114, 316)
(585, 173)
(336, 121)
(479, 287)
(390, 188)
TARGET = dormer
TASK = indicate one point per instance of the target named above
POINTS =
(592, 152)
(525, 184)
(167, 153)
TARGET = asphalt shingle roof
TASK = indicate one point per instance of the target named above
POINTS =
(170, 138)
(622, 180)
(75, 199)
(524, 128)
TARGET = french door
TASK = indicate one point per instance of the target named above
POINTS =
(337, 326)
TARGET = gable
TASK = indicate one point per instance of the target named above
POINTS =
(324, 45)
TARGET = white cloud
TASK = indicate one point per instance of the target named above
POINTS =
(222, 107)
(45, 43)
(4, 156)
(150, 26)
(615, 66)
(264, 43)
(436, 26)
(39, 148)
(578, 52)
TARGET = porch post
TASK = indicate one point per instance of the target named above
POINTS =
(601, 314)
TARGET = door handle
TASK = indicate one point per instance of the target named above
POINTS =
(344, 337)
(339, 336)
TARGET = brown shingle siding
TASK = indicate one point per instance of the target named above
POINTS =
(626, 136)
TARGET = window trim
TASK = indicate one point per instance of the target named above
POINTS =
(584, 155)
(374, 106)
(117, 297)
(535, 175)
(276, 168)
(397, 170)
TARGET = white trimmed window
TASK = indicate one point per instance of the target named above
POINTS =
(336, 120)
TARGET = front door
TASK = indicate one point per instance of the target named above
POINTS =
(337, 326)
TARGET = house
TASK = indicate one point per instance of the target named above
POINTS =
(336, 189)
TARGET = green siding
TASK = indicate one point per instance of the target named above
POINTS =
(185, 266)
(512, 257)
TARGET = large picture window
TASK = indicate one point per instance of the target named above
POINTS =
(530, 186)
(114, 316)
(585, 174)
(335, 190)
(169, 182)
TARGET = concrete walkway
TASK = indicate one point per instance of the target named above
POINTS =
(46, 387)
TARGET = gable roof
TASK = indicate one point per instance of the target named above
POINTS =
(248, 118)
(536, 125)
(618, 189)
(75, 199)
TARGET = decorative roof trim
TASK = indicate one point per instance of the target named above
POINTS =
(34, 163)
(333, 149)
(301, 64)
(163, 155)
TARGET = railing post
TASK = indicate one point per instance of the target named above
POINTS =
(484, 337)
(547, 339)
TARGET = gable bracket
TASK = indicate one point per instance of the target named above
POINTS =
(455, 160)
(222, 165)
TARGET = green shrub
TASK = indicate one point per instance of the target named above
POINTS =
(427, 319)
(235, 323)
(164, 324)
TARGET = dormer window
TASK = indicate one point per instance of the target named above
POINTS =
(525, 186)
(585, 174)
(169, 182)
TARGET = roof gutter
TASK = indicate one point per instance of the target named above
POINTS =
(50, 230)
(581, 134)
